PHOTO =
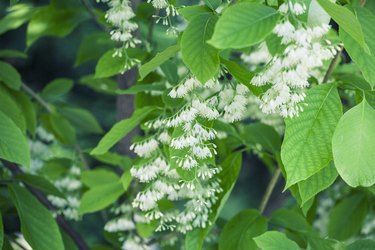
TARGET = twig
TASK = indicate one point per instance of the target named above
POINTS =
(92, 13)
(271, 186)
(333, 64)
(16, 170)
(36, 97)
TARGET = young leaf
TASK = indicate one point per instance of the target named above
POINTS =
(158, 60)
(100, 197)
(354, 210)
(37, 224)
(346, 20)
(239, 232)
(352, 145)
(317, 183)
(9, 53)
(307, 144)
(10, 76)
(13, 144)
(273, 240)
(201, 58)
(57, 88)
(121, 129)
(243, 25)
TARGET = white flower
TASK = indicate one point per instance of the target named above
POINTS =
(184, 88)
(118, 225)
(159, 4)
(134, 243)
(145, 148)
(299, 9)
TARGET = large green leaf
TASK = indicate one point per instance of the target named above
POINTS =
(239, 232)
(18, 15)
(352, 146)
(228, 176)
(10, 76)
(37, 224)
(13, 144)
(346, 20)
(273, 240)
(189, 12)
(256, 134)
(317, 183)
(121, 129)
(60, 127)
(346, 218)
(307, 144)
(40, 183)
(158, 60)
(27, 109)
(364, 61)
(52, 20)
(100, 197)
(213, 4)
(243, 25)
(200, 57)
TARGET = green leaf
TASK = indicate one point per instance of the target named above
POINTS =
(13, 144)
(239, 232)
(40, 183)
(256, 134)
(243, 25)
(37, 224)
(352, 145)
(60, 127)
(231, 167)
(364, 61)
(27, 109)
(126, 179)
(307, 143)
(82, 119)
(317, 15)
(101, 85)
(189, 12)
(346, 218)
(114, 159)
(10, 107)
(52, 20)
(273, 240)
(201, 58)
(9, 53)
(57, 88)
(135, 89)
(158, 60)
(100, 197)
(98, 177)
(10, 76)
(213, 4)
(93, 46)
(346, 20)
(121, 129)
(362, 245)
(18, 15)
(109, 65)
(317, 183)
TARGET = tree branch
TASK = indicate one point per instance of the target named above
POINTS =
(333, 64)
(34, 95)
(16, 170)
(271, 186)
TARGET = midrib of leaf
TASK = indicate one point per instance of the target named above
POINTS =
(310, 129)
(246, 227)
(204, 44)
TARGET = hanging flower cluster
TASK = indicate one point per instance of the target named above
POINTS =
(70, 185)
(170, 11)
(119, 16)
(177, 163)
(288, 73)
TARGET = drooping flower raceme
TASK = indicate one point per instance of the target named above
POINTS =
(288, 72)
(119, 15)
(177, 162)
